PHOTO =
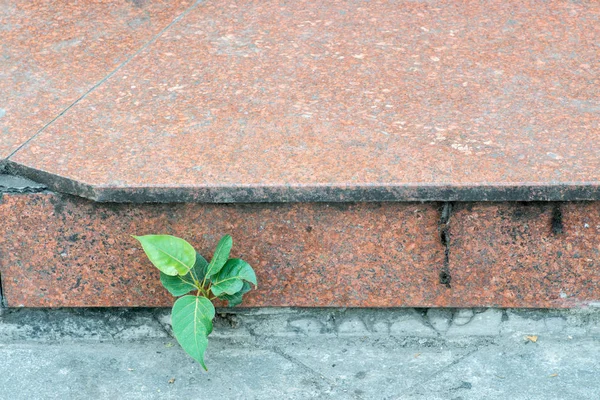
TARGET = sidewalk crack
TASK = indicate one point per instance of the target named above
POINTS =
(318, 377)
(412, 388)
(163, 327)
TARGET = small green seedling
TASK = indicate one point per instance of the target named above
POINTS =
(183, 270)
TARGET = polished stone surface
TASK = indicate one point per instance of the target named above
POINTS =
(269, 101)
(53, 52)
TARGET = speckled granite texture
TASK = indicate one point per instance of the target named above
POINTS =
(336, 101)
(535, 254)
(58, 250)
(52, 52)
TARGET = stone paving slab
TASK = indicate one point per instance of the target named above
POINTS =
(66, 251)
(53, 52)
(549, 369)
(60, 250)
(267, 101)
(125, 353)
(142, 371)
(552, 370)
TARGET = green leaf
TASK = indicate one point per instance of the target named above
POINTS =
(230, 279)
(179, 285)
(229, 286)
(220, 257)
(170, 254)
(200, 266)
(236, 299)
(192, 323)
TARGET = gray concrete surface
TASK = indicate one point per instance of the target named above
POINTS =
(303, 354)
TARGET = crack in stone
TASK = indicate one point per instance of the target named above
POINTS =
(422, 315)
(557, 220)
(2, 304)
(445, 277)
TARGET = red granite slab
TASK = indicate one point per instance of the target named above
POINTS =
(66, 251)
(61, 251)
(336, 101)
(526, 254)
(52, 52)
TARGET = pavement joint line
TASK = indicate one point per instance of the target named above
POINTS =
(162, 326)
(409, 391)
(422, 314)
(275, 349)
(101, 81)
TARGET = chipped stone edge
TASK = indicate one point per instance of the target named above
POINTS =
(19, 185)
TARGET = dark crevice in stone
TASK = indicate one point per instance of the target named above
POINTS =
(444, 275)
(557, 220)
(2, 303)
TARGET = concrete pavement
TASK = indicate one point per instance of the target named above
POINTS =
(301, 354)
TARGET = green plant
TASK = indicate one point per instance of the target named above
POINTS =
(183, 270)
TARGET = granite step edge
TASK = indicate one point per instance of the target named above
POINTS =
(290, 192)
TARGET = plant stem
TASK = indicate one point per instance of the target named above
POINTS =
(195, 278)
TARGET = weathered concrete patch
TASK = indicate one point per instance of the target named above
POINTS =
(136, 324)
(81, 324)
(361, 366)
(17, 184)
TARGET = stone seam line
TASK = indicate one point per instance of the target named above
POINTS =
(101, 81)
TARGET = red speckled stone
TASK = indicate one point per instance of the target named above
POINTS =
(61, 251)
(516, 256)
(52, 52)
(64, 251)
(261, 95)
